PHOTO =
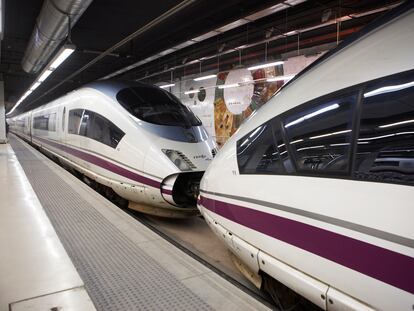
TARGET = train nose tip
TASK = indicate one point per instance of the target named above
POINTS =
(182, 189)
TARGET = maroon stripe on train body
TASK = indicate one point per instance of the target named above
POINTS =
(103, 163)
(382, 264)
(166, 191)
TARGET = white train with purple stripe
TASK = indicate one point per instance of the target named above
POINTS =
(316, 189)
(136, 139)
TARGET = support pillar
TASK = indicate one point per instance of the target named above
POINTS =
(3, 138)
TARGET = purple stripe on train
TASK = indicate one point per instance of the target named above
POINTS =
(103, 163)
(166, 191)
(382, 264)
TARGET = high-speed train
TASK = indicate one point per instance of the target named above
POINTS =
(136, 139)
(316, 189)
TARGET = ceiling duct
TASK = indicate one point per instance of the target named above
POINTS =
(51, 29)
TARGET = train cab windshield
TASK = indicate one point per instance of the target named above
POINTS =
(154, 105)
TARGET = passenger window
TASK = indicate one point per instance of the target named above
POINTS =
(75, 116)
(320, 136)
(86, 123)
(257, 152)
(281, 147)
(385, 151)
(157, 106)
(52, 122)
(42, 123)
(63, 118)
(99, 128)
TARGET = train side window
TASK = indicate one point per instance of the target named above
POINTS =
(41, 122)
(157, 106)
(63, 118)
(385, 151)
(100, 129)
(86, 123)
(257, 152)
(320, 135)
(75, 116)
(281, 147)
(52, 122)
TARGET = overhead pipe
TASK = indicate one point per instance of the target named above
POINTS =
(52, 27)
(153, 23)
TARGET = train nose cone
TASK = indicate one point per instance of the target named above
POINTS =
(182, 189)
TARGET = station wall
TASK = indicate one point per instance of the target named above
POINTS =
(223, 108)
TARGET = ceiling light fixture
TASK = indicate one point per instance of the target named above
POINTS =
(60, 57)
(63, 54)
(330, 134)
(35, 86)
(192, 92)
(165, 86)
(44, 75)
(227, 86)
(205, 78)
(311, 115)
(396, 123)
(272, 64)
(390, 88)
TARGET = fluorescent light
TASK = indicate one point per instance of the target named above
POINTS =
(311, 115)
(397, 123)
(34, 86)
(245, 142)
(27, 93)
(44, 75)
(390, 88)
(313, 147)
(347, 144)
(280, 78)
(166, 85)
(228, 86)
(266, 65)
(191, 92)
(205, 78)
(65, 53)
(255, 131)
(330, 134)
(296, 141)
(385, 136)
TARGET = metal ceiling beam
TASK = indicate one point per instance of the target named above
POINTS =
(181, 6)
(274, 38)
(220, 30)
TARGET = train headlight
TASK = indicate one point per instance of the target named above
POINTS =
(179, 159)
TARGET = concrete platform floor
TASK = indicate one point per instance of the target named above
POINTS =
(214, 291)
(35, 269)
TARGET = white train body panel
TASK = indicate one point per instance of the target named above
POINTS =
(136, 167)
(355, 237)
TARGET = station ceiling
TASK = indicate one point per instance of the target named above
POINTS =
(107, 22)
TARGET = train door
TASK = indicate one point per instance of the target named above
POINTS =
(30, 126)
(63, 123)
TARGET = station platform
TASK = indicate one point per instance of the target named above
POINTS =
(66, 247)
